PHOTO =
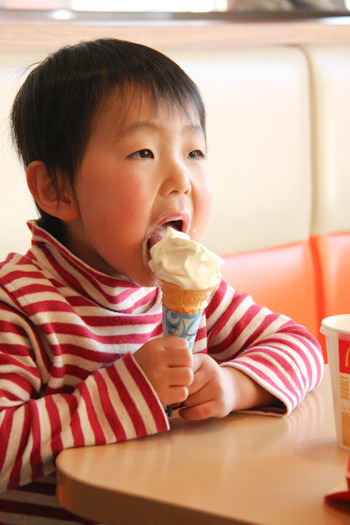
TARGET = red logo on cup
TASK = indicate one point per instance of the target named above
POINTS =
(344, 356)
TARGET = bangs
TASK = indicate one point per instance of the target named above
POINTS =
(131, 93)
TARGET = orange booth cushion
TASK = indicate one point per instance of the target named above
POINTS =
(333, 255)
(281, 278)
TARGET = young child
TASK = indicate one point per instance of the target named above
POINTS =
(112, 136)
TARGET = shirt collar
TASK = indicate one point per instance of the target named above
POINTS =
(117, 293)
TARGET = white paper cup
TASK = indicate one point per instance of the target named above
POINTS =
(337, 332)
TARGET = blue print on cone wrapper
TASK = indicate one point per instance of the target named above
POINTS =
(182, 325)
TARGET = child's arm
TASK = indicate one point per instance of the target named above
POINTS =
(216, 391)
(43, 409)
(280, 359)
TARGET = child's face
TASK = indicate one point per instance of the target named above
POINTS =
(138, 174)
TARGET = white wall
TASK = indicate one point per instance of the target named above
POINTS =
(16, 205)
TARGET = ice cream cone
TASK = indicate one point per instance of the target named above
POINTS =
(182, 310)
(184, 301)
(188, 274)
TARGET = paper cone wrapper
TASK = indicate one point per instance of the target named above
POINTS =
(182, 311)
(182, 325)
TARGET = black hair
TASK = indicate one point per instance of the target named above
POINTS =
(53, 111)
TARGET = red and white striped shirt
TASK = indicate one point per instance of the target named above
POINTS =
(68, 377)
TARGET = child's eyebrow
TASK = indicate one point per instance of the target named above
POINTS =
(152, 126)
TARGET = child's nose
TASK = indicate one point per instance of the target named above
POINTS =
(177, 179)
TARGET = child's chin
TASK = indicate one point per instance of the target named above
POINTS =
(148, 280)
(151, 282)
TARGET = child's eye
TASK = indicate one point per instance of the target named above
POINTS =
(197, 154)
(142, 154)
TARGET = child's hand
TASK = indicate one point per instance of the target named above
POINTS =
(216, 391)
(211, 393)
(168, 364)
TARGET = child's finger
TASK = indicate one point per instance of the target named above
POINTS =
(180, 376)
(199, 412)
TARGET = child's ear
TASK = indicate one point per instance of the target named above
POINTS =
(59, 202)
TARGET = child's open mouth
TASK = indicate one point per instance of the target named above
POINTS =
(159, 233)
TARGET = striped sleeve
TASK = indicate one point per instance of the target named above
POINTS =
(280, 355)
(114, 403)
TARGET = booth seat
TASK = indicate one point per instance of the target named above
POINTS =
(282, 278)
(278, 130)
(307, 281)
(332, 270)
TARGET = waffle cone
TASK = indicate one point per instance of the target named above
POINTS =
(183, 301)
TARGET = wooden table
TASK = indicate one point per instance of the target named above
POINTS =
(241, 469)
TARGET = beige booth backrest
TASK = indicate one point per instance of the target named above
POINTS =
(330, 109)
(259, 146)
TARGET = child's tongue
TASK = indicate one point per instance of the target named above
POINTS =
(156, 236)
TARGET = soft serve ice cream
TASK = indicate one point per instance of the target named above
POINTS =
(188, 273)
(186, 263)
